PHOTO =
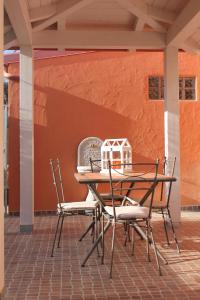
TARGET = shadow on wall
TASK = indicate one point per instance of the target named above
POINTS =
(61, 121)
(66, 120)
(69, 120)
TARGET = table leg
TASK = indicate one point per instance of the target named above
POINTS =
(98, 240)
(91, 225)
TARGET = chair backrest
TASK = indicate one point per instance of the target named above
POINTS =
(138, 183)
(169, 166)
(57, 180)
(168, 169)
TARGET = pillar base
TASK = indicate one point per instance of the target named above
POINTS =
(2, 295)
(26, 228)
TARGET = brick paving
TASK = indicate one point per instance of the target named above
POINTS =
(31, 274)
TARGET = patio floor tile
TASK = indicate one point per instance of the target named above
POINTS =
(32, 274)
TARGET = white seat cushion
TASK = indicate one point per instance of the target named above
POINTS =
(128, 212)
(83, 205)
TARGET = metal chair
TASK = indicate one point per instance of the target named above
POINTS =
(136, 192)
(68, 208)
(95, 165)
(163, 205)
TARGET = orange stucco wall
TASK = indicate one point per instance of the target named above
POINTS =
(103, 94)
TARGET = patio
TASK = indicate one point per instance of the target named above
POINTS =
(30, 272)
(127, 25)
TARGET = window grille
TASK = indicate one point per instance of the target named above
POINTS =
(187, 88)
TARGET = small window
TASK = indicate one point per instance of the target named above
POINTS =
(187, 88)
(156, 87)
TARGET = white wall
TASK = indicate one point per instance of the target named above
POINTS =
(1, 155)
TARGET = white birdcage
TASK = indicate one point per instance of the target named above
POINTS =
(117, 151)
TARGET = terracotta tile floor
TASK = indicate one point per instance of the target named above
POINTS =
(32, 274)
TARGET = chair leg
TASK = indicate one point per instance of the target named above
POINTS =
(102, 228)
(60, 233)
(129, 237)
(165, 226)
(133, 241)
(127, 233)
(93, 228)
(112, 249)
(155, 249)
(147, 241)
(174, 233)
(96, 229)
(54, 241)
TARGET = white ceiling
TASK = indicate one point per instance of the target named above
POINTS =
(103, 24)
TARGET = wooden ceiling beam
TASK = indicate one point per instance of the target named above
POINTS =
(139, 9)
(139, 25)
(92, 39)
(10, 39)
(47, 11)
(63, 9)
(159, 14)
(185, 24)
(19, 17)
(43, 12)
(191, 46)
(61, 26)
(7, 28)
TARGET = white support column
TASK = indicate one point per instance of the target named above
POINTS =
(1, 158)
(172, 119)
(26, 140)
